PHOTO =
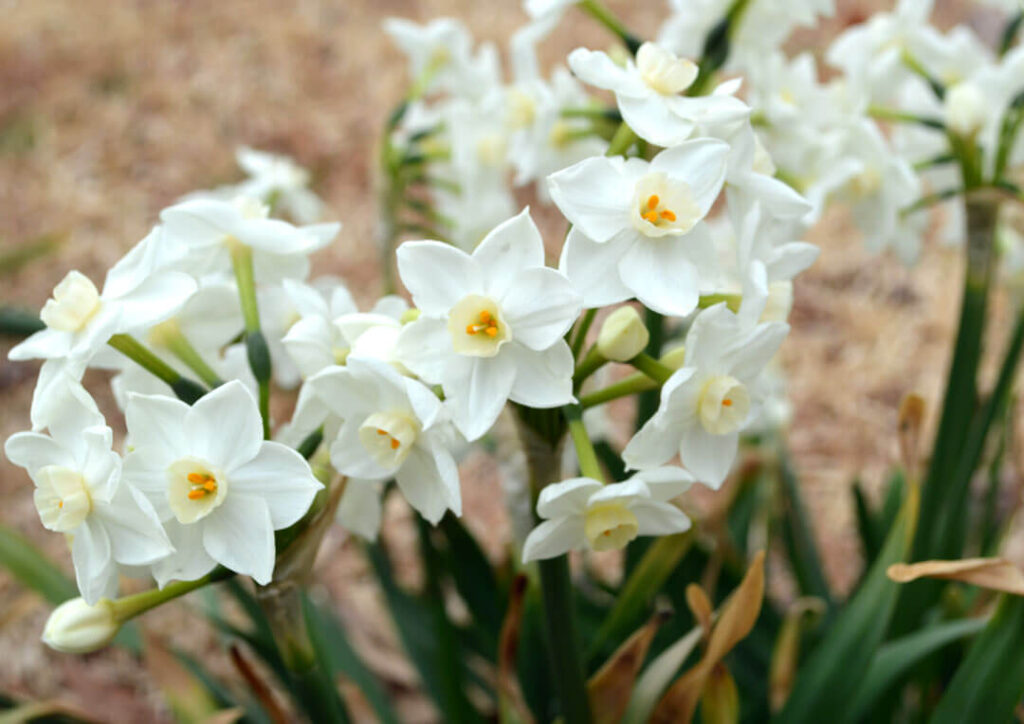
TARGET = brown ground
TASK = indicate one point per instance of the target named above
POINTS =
(111, 110)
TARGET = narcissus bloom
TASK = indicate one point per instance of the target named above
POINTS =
(648, 93)
(220, 489)
(80, 492)
(584, 514)
(637, 228)
(492, 324)
(707, 402)
(392, 426)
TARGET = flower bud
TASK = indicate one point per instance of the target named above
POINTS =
(965, 109)
(623, 335)
(75, 627)
(674, 358)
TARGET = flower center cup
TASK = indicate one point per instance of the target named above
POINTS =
(663, 72)
(663, 207)
(724, 405)
(62, 498)
(75, 301)
(194, 489)
(388, 437)
(610, 526)
(476, 327)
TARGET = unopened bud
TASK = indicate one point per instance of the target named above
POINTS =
(623, 335)
(965, 109)
(674, 358)
(75, 627)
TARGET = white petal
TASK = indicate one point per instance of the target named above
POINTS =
(349, 456)
(189, 560)
(423, 401)
(594, 194)
(136, 536)
(651, 446)
(661, 274)
(437, 275)
(657, 518)
(747, 359)
(156, 299)
(788, 260)
(32, 451)
(701, 164)
(200, 222)
(44, 344)
(543, 379)
(308, 343)
(94, 567)
(360, 508)
(425, 347)
(553, 538)
(239, 535)
(224, 428)
(593, 268)
(158, 422)
(709, 457)
(478, 397)
(566, 498)
(282, 478)
(652, 119)
(667, 482)
(540, 307)
(430, 482)
(597, 69)
(512, 247)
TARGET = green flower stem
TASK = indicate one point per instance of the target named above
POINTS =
(581, 332)
(652, 368)
(622, 140)
(635, 383)
(589, 465)
(930, 200)
(180, 347)
(603, 15)
(898, 116)
(311, 442)
(1010, 33)
(597, 112)
(542, 433)
(129, 607)
(255, 343)
(915, 65)
(186, 390)
(647, 405)
(592, 362)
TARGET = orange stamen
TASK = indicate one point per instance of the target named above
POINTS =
(651, 216)
(381, 432)
(727, 403)
(668, 215)
(395, 444)
(196, 494)
(491, 331)
(470, 329)
(485, 317)
(652, 202)
(197, 478)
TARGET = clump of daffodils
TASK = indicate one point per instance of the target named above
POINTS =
(675, 217)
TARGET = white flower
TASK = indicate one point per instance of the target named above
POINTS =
(220, 489)
(392, 426)
(647, 93)
(76, 627)
(582, 514)
(706, 403)
(281, 180)
(79, 492)
(637, 227)
(360, 509)
(440, 56)
(312, 341)
(492, 323)
(207, 230)
(80, 320)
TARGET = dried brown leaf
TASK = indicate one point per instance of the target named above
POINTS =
(911, 422)
(512, 703)
(700, 607)
(997, 574)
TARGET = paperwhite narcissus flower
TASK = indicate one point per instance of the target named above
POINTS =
(80, 320)
(706, 403)
(220, 489)
(360, 509)
(207, 229)
(492, 323)
(76, 627)
(582, 513)
(279, 179)
(80, 492)
(440, 56)
(647, 93)
(392, 426)
(637, 227)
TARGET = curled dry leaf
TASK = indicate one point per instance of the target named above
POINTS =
(786, 654)
(911, 422)
(737, 618)
(997, 574)
(612, 686)
(512, 703)
(701, 607)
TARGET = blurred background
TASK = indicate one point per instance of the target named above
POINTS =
(109, 111)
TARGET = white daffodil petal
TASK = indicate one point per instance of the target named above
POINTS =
(421, 483)
(661, 275)
(594, 195)
(701, 164)
(437, 275)
(223, 427)
(709, 457)
(478, 397)
(565, 498)
(240, 536)
(553, 538)
(136, 536)
(94, 566)
(653, 120)
(156, 421)
(543, 379)
(657, 518)
(513, 246)
(593, 268)
(32, 450)
(282, 478)
(189, 560)
(425, 347)
(540, 307)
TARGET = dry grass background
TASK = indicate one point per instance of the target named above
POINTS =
(109, 110)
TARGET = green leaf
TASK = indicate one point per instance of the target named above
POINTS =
(474, 579)
(989, 683)
(799, 537)
(333, 648)
(634, 600)
(866, 524)
(896, 658)
(829, 679)
(33, 569)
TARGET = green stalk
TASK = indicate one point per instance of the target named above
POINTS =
(958, 406)
(591, 363)
(178, 345)
(589, 465)
(19, 323)
(581, 332)
(129, 607)
(635, 383)
(1010, 33)
(255, 343)
(186, 390)
(603, 15)
(898, 116)
(622, 140)
(542, 433)
(647, 405)
(651, 367)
